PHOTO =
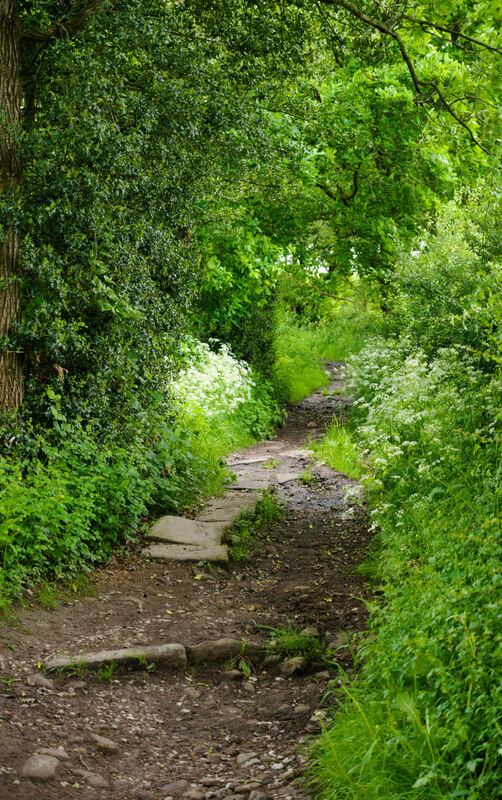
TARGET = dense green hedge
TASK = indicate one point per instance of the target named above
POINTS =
(424, 717)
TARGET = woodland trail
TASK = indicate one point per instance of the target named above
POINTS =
(208, 731)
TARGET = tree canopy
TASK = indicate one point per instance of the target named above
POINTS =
(177, 158)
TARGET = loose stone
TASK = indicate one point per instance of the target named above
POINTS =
(293, 666)
(246, 787)
(301, 709)
(243, 758)
(39, 679)
(55, 752)
(310, 630)
(195, 794)
(231, 675)
(92, 779)
(104, 744)
(175, 787)
(323, 675)
(40, 767)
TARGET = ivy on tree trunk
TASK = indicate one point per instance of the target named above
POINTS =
(11, 371)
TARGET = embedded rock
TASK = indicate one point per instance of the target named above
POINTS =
(172, 656)
(187, 531)
(221, 649)
(294, 666)
(40, 767)
(180, 552)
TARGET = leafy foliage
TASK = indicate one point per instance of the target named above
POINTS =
(424, 720)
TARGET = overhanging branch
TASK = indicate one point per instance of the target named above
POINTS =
(383, 28)
(379, 26)
(66, 29)
(424, 23)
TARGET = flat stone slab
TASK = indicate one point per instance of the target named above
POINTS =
(187, 531)
(285, 477)
(170, 655)
(300, 453)
(260, 460)
(186, 552)
(228, 509)
(251, 483)
(221, 649)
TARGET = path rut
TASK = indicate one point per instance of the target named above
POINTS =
(209, 731)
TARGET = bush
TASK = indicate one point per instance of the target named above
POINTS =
(226, 395)
(446, 292)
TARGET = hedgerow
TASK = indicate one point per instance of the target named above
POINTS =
(424, 717)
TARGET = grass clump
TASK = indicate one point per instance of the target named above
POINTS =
(286, 642)
(243, 533)
(339, 449)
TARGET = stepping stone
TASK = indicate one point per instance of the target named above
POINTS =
(285, 477)
(187, 531)
(300, 453)
(186, 552)
(228, 509)
(215, 650)
(170, 655)
(251, 483)
(261, 460)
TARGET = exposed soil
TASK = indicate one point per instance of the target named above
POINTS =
(204, 733)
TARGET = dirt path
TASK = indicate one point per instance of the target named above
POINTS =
(208, 731)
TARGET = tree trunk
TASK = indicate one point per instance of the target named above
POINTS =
(11, 367)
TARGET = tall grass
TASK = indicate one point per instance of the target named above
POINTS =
(302, 347)
(339, 450)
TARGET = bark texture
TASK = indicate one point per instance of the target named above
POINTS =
(11, 367)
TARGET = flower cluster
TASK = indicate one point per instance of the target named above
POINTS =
(212, 383)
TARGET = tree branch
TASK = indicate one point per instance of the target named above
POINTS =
(380, 26)
(326, 190)
(66, 29)
(454, 114)
(444, 29)
(345, 198)
(374, 23)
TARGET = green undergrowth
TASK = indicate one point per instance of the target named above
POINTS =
(339, 450)
(69, 498)
(243, 534)
(424, 719)
(301, 348)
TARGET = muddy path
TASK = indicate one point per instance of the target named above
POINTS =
(209, 731)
